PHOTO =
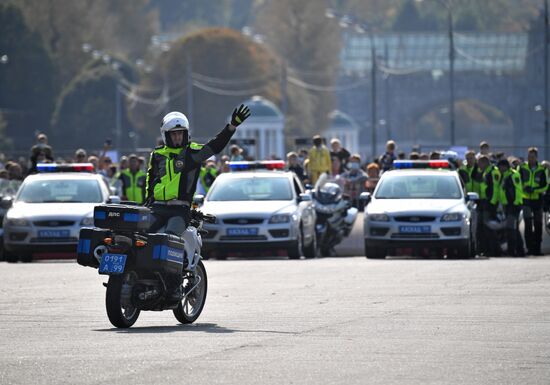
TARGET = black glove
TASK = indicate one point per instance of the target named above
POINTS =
(240, 115)
(528, 189)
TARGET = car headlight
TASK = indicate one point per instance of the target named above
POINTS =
(88, 221)
(18, 222)
(378, 217)
(452, 217)
(280, 218)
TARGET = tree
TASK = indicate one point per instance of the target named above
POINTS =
(409, 19)
(86, 111)
(243, 68)
(27, 81)
(299, 32)
(116, 27)
(178, 15)
(6, 143)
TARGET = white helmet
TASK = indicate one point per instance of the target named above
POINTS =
(173, 121)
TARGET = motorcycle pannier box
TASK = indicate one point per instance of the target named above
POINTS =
(122, 217)
(89, 239)
(163, 252)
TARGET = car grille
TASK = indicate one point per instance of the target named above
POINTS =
(244, 238)
(53, 223)
(279, 233)
(243, 221)
(451, 231)
(414, 218)
(415, 236)
(55, 240)
(379, 231)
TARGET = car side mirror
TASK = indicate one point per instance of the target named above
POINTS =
(6, 202)
(198, 199)
(365, 197)
(304, 197)
(472, 197)
(114, 199)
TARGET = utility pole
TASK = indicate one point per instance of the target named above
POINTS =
(189, 83)
(451, 75)
(546, 106)
(283, 84)
(373, 95)
(118, 117)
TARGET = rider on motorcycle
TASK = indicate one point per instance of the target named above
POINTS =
(174, 170)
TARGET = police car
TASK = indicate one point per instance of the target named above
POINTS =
(50, 208)
(259, 207)
(420, 205)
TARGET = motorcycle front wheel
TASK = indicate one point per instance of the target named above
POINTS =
(195, 288)
(118, 300)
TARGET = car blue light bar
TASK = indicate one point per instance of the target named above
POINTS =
(257, 165)
(68, 167)
(406, 164)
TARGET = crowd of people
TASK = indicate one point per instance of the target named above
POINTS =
(506, 185)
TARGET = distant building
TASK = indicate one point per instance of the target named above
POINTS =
(344, 128)
(262, 133)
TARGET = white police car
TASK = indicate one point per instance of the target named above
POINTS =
(420, 205)
(50, 208)
(259, 207)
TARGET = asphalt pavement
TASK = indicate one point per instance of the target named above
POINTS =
(334, 320)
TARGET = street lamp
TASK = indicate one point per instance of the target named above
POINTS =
(450, 32)
(361, 28)
(4, 59)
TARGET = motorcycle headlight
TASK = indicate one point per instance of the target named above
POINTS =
(379, 217)
(18, 222)
(88, 221)
(452, 217)
(280, 218)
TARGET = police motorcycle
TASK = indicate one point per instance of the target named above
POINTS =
(140, 265)
(335, 214)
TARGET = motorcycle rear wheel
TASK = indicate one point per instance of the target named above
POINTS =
(118, 302)
(190, 308)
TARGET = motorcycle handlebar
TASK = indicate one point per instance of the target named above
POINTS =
(208, 218)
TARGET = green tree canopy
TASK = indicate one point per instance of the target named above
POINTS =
(244, 67)
(86, 111)
(27, 81)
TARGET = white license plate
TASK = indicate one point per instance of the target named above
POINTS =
(415, 229)
(236, 232)
(54, 233)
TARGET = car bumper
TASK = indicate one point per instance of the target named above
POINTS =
(28, 240)
(417, 244)
(235, 247)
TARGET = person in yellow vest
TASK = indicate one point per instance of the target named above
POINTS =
(133, 181)
(535, 184)
(318, 160)
(207, 175)
(173, 173)
(469, 173)
(487, 207)
(511, 199)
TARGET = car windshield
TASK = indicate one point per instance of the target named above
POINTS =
(251, 189)
(418, 187)
(60, 190)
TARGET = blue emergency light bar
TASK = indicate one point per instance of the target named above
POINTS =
(433, 164)
(68, 167)
(257, 165)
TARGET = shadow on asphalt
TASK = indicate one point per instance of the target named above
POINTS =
(198, 327)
